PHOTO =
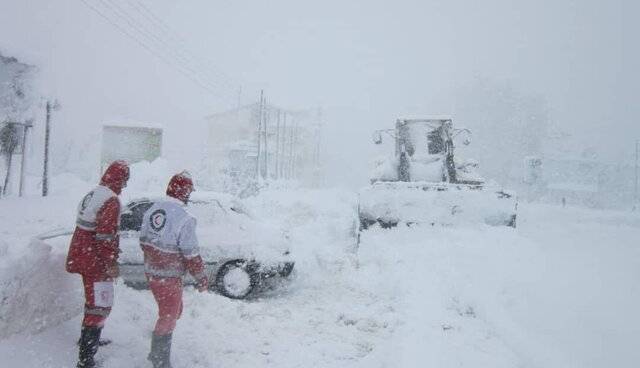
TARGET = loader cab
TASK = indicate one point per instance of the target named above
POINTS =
(422, 183)
(423, 136)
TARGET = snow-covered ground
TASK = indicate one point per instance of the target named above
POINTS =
(561, 290)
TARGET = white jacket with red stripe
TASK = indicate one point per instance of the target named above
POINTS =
(94, 246)
(169, 242)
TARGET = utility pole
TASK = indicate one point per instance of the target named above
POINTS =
(51, 106)
(317, 174)
(284, 146)
(266, 147)
(290, 161)
(294, 151)
(635, 188)
(258, 173)
(318, 138)
(277, 173)
(23, 160)
(45, 171)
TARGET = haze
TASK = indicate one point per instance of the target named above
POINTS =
(364, 62)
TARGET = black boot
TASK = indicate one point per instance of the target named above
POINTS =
(89, 338)
(160, 354)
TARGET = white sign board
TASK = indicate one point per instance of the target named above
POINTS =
(133, 144)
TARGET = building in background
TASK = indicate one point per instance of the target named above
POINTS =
(580, 182)
(259, 142)
(131, 142)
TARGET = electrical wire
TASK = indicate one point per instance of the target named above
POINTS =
(140, 40)
(152, 38)
(202, 64)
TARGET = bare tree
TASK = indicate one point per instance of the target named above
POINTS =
(9, 142)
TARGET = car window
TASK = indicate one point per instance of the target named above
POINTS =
(131, 218)
(139, 209)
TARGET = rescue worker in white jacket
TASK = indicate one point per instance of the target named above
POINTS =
(168, 240)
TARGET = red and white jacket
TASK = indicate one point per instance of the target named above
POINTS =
(94, 246)
(169, 242)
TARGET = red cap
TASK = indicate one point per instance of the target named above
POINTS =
(116, 176)
(180, 186)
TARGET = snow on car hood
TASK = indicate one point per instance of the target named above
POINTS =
(226, 229)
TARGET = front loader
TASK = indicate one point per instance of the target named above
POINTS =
(425, 183)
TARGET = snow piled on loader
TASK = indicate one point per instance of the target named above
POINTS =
(435, 203)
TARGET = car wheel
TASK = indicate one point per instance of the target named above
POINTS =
(235, 279)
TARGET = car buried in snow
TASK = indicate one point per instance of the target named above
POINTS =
(241, 253)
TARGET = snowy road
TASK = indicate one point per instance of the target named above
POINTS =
(560, 291)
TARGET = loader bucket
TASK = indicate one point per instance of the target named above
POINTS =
(389, 204)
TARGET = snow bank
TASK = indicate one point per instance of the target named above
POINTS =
(321, 223)
(35, 291)
(555, 292)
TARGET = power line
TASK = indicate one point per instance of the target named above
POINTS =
(152, 36)
(145, 46)
(153, 39)
(178, 40)
(140, 41)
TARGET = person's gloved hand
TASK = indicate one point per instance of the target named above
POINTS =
(113, 271)
(203, 284)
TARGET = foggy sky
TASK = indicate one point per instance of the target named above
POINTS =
(367, 61)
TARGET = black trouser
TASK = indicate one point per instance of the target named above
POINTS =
(160, 354)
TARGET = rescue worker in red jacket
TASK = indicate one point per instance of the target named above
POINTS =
(93, 253)
(168, 240)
